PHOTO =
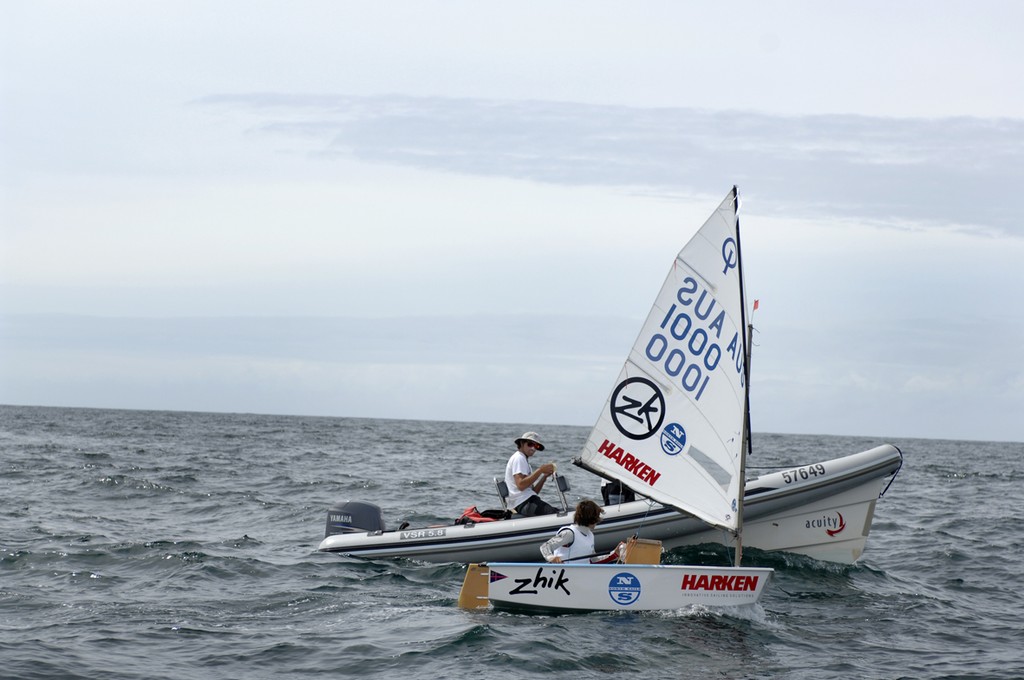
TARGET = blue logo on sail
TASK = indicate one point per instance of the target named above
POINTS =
(673, 439)
(729, 254)
(624, 588)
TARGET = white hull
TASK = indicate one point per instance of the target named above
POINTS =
(804, 529)
(621, 587)
(823, 510)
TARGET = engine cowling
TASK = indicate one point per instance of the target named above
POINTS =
(352, 517)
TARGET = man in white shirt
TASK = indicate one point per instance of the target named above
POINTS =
(524, 483)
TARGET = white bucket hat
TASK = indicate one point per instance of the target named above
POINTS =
(530, 437)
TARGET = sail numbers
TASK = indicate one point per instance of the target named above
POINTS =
(689, 349)
(805, 472)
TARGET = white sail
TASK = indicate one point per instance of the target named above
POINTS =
(673, 426)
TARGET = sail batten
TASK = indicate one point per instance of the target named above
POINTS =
(673, 427)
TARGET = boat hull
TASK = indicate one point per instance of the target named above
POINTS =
(823, 510)
(621, 587)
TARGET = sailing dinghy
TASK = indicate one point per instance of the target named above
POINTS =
(675, 429)
(555, 588)
(672, 429)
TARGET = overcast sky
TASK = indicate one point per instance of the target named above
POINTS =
(463, 210)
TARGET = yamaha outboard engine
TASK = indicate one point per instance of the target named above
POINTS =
(352, 517)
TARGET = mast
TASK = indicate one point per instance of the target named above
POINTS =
(745, 444)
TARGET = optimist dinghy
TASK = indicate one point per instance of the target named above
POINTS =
(675, 430)
(639, 584)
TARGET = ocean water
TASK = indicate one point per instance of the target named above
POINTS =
(139, 544)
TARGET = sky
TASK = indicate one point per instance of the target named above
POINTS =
(463, 211)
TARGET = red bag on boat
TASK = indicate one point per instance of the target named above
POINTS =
(471, 515)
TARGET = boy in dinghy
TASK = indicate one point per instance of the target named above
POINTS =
(575, 542)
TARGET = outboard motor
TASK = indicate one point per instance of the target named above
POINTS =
(353, 517)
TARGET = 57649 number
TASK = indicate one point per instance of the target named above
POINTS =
(806, 472)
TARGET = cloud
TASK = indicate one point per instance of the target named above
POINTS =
(949, 172)
(869, 245)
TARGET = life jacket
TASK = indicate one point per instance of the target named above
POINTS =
(472, 516)
(581, 547)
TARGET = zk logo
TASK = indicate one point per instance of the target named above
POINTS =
(637, 408)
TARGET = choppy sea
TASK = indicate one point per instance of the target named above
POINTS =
(140, 544)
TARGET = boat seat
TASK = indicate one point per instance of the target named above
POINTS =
(561, 482)
(563, 488)
(502, 489)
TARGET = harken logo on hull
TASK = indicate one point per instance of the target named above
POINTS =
(637, 408)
